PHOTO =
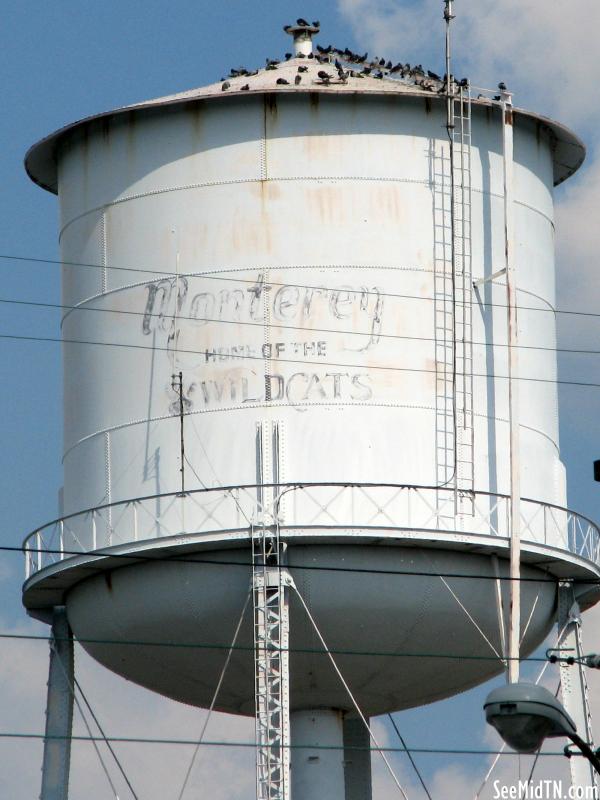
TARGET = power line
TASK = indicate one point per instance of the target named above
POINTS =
(417, 370)
(262, 269)
(250, 649)
(281, 326)
(254, 745)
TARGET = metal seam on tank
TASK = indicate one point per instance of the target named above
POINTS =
(107, 472)
(103, 250)
(276, 404)
(283, 179)
(237, 181)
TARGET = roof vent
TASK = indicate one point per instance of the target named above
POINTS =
(303, 32)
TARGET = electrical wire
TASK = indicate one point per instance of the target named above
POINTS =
(253, 745)
(281, 326)
(250, 649)
(214, 276)
(415, 370)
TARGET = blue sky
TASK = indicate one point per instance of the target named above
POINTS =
(63, 61)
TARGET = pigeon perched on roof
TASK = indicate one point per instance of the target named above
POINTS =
(297, 79)
(301, 21)
(225, 85)
(502, 86)
(282, 82)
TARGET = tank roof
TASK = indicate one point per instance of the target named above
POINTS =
(330, 72)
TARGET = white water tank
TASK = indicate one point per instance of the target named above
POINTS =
(287, 248)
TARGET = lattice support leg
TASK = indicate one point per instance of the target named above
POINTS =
(574, 684)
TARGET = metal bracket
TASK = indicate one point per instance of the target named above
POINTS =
(489, 278)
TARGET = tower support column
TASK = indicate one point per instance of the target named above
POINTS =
(357, 760)
(59, 710)
(316, 772)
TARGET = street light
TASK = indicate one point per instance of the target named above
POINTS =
(525, 714)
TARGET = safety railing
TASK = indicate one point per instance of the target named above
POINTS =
(320, 506)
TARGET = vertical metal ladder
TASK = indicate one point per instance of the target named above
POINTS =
(271, 628)
(443, 291)
(460, 132)
(453, 311)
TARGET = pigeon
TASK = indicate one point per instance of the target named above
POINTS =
(297, 79)
(497, 97)
(282, 82)
(288, 56)
(310, 55)
(388, 65)
(325, 76)
(245, 87)
(433, 76)
(271, 66)
(302, 69)
(320, 49)
(225, 85)
(316, 23)
(301, 21)
(502, 86)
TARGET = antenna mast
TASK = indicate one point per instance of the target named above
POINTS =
(449, 16)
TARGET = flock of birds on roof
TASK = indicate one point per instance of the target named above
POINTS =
(347, 64)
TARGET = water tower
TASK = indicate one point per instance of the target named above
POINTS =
(306, 279)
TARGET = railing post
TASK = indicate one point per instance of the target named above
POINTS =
(545, 523)
(27, 560)
(94, 538)
(38, 545)
(61, 540)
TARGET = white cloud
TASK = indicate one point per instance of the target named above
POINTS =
(545, 50)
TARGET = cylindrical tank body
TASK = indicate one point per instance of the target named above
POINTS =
(305, 231)
(290, 254)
